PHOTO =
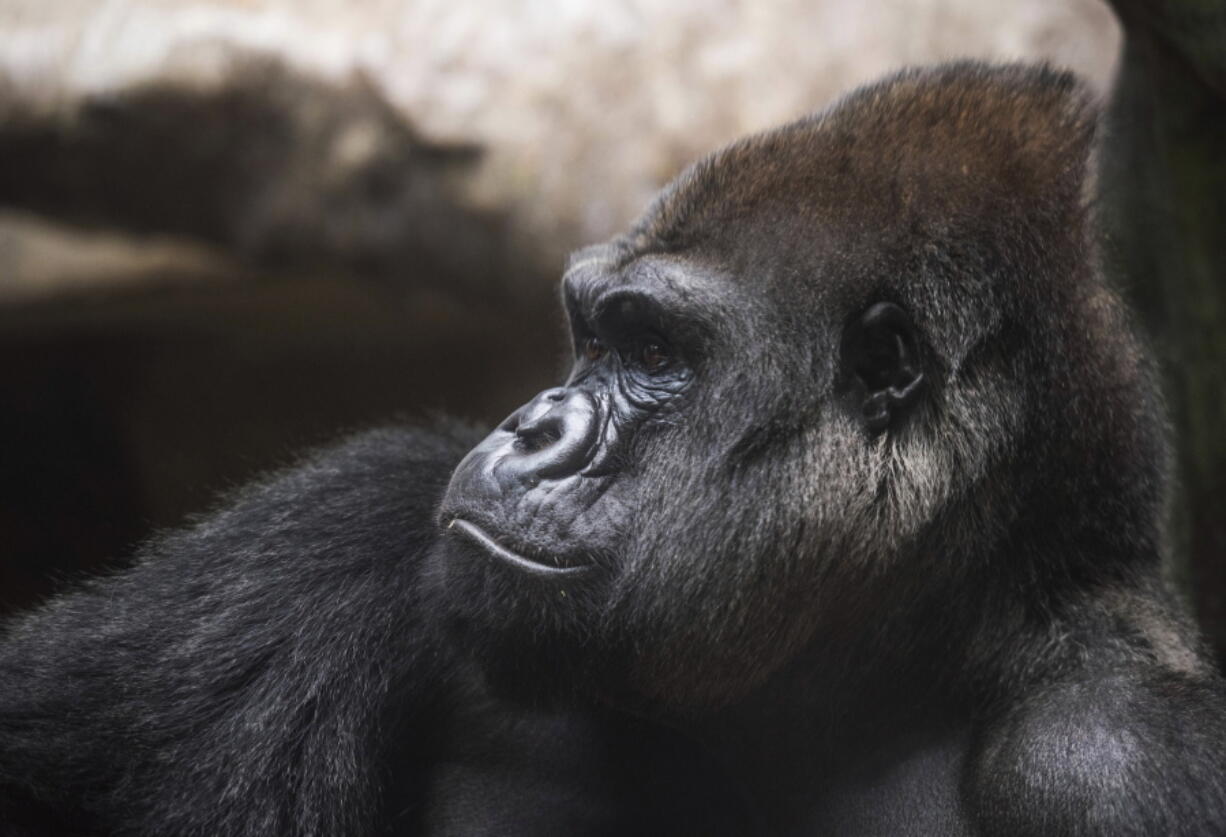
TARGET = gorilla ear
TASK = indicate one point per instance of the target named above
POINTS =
(881, 364)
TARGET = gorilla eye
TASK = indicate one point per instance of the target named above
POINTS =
(594, 350)
(654, 357)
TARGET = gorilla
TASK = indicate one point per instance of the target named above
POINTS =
(848, 519)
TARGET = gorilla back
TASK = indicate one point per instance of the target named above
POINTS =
(847, 520)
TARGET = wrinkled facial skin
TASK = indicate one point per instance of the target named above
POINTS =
(538, 517)
(546, 493)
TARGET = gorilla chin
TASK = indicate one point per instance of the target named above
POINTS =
(531, 627)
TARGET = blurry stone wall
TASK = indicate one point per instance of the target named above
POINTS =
(582, 109)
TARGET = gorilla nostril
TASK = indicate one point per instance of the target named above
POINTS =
(553, 435)
(537, 435)
(539, 424)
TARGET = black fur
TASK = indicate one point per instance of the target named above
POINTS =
(236, 680)
(275, 670)
(854, 499)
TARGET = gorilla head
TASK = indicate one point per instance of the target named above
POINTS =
(851, 387)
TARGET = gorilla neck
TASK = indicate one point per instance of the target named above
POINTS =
(816, 748)
(849, 732)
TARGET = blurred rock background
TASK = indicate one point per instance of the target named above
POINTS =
(232, 229)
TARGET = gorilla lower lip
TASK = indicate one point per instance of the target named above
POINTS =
(481, 538)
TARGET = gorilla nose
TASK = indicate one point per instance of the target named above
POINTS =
(555, 435)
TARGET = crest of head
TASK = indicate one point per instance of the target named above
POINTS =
(928, 146)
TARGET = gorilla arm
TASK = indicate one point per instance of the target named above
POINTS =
(237, 679)
(282, 668)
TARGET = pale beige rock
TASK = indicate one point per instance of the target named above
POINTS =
(585, 108)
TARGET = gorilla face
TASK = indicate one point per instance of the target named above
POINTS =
(549, 493)
(787, 377)
(644, 525)
(553, 516)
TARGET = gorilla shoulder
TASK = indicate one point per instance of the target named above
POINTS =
(1135, 753)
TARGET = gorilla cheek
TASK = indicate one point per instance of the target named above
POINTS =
(716, 600)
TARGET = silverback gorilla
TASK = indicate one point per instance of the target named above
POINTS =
(848, 520)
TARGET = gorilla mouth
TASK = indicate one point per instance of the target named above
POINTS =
(483, 539)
